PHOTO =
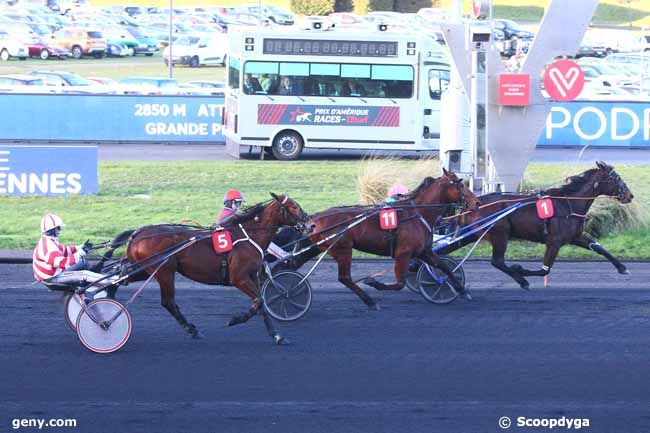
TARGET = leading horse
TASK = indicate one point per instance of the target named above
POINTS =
(418, 213)
(571, 203)
(251, 235)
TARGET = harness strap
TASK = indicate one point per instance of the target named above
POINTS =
(248, 238)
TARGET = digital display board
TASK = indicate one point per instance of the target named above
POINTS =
(311, 47)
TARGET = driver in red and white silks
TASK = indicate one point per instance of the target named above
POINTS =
(55, 263)
(232, 202)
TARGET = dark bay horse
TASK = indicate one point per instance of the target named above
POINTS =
(251, 234)
(411, 239)
(571, 203)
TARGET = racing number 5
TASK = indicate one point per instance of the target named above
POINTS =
(221, 241)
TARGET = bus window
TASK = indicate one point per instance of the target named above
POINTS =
(261, 77)
(355, 71)
(233, 73)
(438, 83)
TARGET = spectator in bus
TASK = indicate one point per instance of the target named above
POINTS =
(286, 87)
(266, 82)
(352, 88)
(251, 85)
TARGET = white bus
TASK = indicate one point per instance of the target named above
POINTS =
(331, 89)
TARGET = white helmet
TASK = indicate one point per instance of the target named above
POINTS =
(49, 222)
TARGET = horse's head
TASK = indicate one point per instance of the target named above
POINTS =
(291, 214)
(457, 192)
(608, 182)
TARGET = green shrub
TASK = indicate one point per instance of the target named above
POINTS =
(312, 7)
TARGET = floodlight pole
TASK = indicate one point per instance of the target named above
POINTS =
(170, 62)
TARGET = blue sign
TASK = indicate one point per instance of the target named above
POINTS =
(598, 124)
(48, 170)
(111, 118)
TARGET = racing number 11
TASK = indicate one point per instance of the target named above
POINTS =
(388, 219)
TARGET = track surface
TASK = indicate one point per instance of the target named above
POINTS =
(579, 349)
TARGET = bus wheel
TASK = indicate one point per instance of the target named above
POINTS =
(287, 146)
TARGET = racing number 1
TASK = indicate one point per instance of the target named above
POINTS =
(545, 208)
(388, 219)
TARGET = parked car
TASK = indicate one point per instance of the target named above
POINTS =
(216, 88)
(44, 49)
(71, 82)
(148, 86)
(591, 46)
(146, 44)
(81, 41)
(198, 50)
(603, 75)
(11, 48)
(636, 64)
(12, 83)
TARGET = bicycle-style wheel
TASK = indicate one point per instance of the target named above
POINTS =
(285, 297)
(96, 333)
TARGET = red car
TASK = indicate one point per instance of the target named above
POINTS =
(43, 49)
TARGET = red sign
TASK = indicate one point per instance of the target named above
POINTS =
(545, 208)
(514, 89)
(564, 80)
(221, 241)
(388, 219)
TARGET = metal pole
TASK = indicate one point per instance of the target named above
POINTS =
(170, 63)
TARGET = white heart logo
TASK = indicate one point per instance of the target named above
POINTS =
(564, 82)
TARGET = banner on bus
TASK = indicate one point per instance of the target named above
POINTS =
(340, 115)
(48, 170)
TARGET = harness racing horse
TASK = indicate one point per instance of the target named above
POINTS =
(251, 235)
(571, 203)
(417, 214)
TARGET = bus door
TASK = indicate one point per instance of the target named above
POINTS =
(437, 81)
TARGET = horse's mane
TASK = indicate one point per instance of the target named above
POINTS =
(248, 213)
(573, 183)
(426, 183)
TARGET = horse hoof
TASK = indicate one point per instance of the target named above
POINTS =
(623, 271)
(279, 340)
(374, 306)
(525, 285)
(197, 335)
(516, 268)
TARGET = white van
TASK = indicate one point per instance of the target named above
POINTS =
(198, 50)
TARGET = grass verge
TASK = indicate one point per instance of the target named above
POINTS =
(137, 193)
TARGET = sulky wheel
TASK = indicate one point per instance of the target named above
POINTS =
(434, 284)
(285, 297)
(71, 309)
(96, 333)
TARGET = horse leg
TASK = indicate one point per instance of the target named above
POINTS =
(552, 249)
(587, 242)
(165, 278)
(344, 262)
(249, 286)
(499, 246)
(401, 267)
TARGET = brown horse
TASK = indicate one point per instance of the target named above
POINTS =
(251, 234)
(571, 203)
(417, 214)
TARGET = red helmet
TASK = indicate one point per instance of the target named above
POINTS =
(233, 194)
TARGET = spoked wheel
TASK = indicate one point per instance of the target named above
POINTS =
(96, 333)
(285, 298)
(71, 310)
(434, 284)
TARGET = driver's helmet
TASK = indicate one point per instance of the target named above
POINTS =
(50, 222)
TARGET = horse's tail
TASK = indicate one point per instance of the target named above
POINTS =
(116, 243)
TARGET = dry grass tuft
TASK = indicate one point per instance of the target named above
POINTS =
(377, 175)
(608, 216)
